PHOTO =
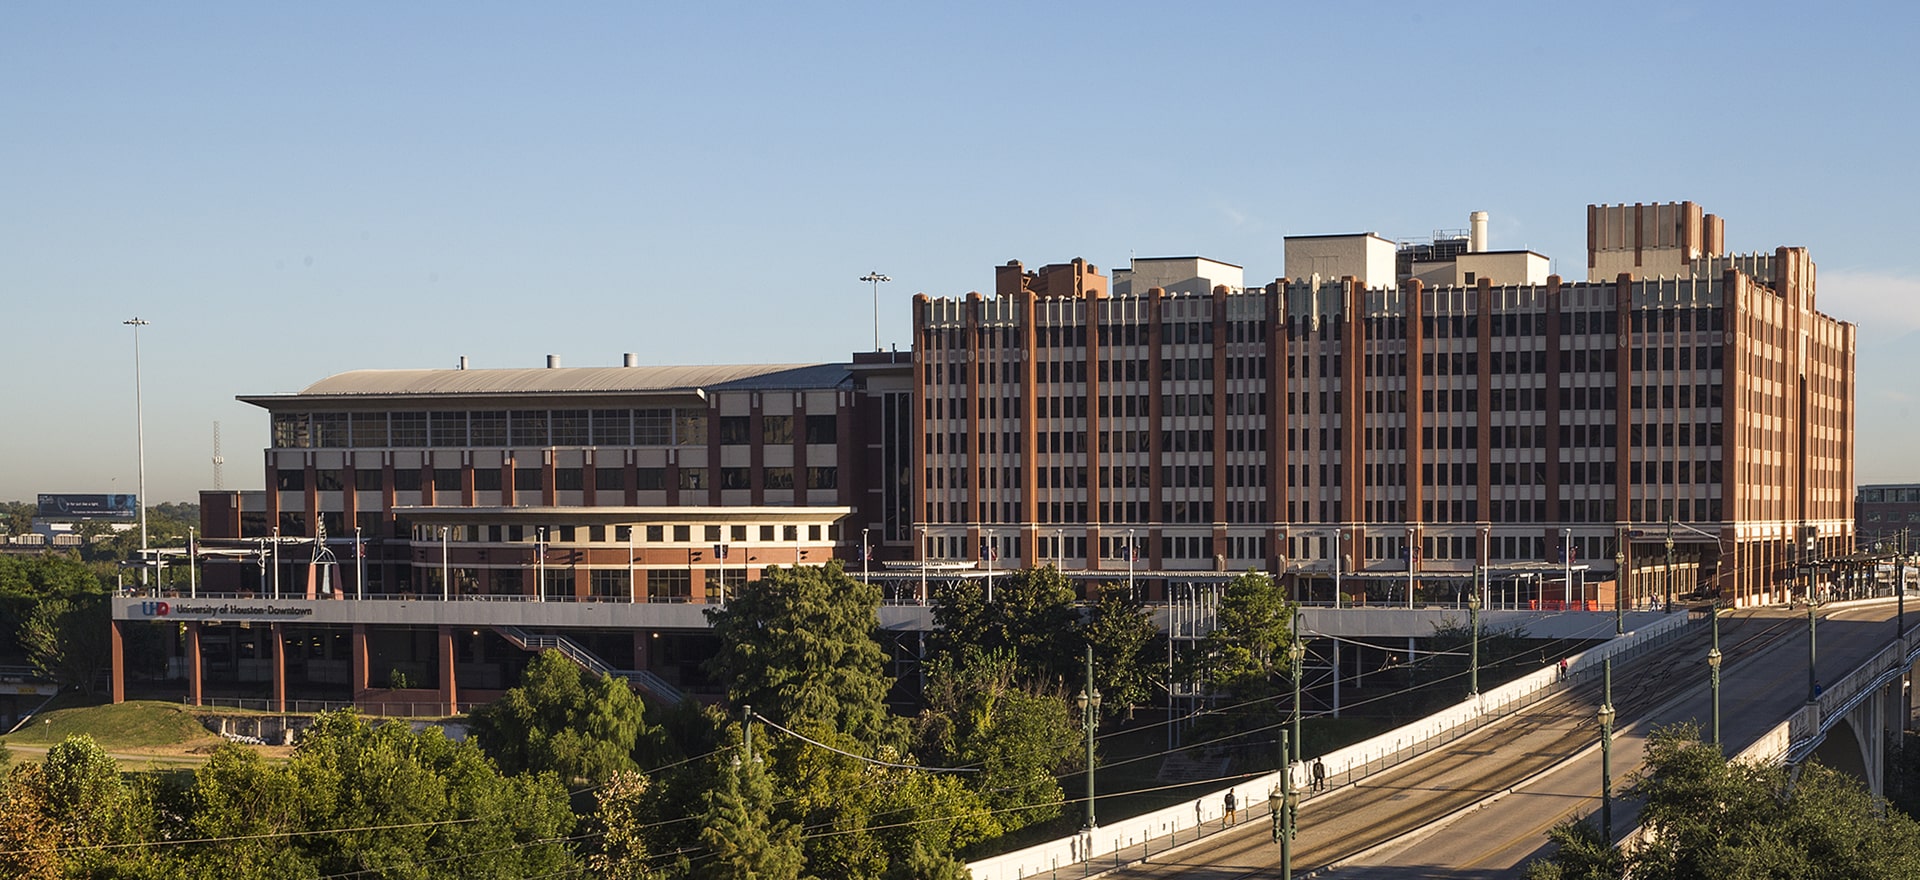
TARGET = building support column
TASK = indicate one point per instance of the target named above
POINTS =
(118, 649)
(357, 662)
(279, 654)
(195, 694)
(449, 693)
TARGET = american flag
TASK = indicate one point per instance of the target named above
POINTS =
(987, 552)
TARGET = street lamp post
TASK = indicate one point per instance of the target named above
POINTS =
(1130, 554)
(1813, 651)
(1670, 572)
(1473, 611)
(1283, 812)
(987, 552)
(446, 584)
(359, 566)
(1566, 553)
(875, 278)
(1714, 659)
(1606, 758)
(276, 562)
(540, 561)
(140, 442)
(1619, 586)
(1297, 656)
(1412, 557)
(1339, 561)
(866, 564)
(1089, 702)
(633, 574)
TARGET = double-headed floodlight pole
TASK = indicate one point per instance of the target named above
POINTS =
(875, 278)
(140, 440)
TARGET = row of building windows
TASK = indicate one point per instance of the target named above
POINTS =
(699, 535)
(490, 428)
(533, 479)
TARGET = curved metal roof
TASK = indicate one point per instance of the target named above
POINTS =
(552, 380)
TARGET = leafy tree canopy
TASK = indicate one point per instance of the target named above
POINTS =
(798, 646)
(1033, 616)
(1709, 817)
(563, 719)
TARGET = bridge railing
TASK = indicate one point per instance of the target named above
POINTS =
(1126, 838)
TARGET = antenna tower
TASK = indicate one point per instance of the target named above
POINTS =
(219, 461)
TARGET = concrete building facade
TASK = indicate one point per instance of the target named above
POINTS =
(1336, 428)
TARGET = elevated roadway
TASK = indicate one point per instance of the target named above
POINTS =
(1528, 772)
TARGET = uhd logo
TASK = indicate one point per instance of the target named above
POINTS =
(154, 609)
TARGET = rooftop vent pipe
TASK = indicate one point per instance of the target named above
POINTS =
(630, 360)
(553, 360)
(463, 362)
(1477, 232)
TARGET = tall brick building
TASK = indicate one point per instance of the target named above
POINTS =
(1679, 394)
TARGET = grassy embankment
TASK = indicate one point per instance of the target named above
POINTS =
(138, 732)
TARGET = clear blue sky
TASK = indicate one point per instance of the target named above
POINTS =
(288, 192)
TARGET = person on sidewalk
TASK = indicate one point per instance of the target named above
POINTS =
(1227, 818)
(1319, 774)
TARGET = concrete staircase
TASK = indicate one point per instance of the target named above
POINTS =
(578, 653)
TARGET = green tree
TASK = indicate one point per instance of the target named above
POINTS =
(427, 806)
(29, 836)
(1247, 650)
(27, 581)
(1128, 652)
(621, 815)
(16, 517)
(1033, 615)
(251, 806)
(740, 825)
(1581, 854)
(563, 719)
(1708, 817)
(979, 713)
(67, 640)
(798, 646)
(86, 795)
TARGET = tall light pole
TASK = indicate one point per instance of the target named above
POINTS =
(633, 574)
(359, 566)
(1297, 655)
(1813, 650)
(1566, 553)
(1620, 577)
(540, 562)
(923, 565)
(1089, 702)
(1412, 558)
(1713, 669)
(1670, 573)
(1473, 611)
(140, 441)
(1900, 586)
(1282, 806)
(1606, 758)
(987, 552)
(875, 278)
(1339, 561)
(866, 565)
(1130, 554)
(446, 583)
(1619, 586)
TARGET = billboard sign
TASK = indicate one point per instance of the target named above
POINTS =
(64, 506)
